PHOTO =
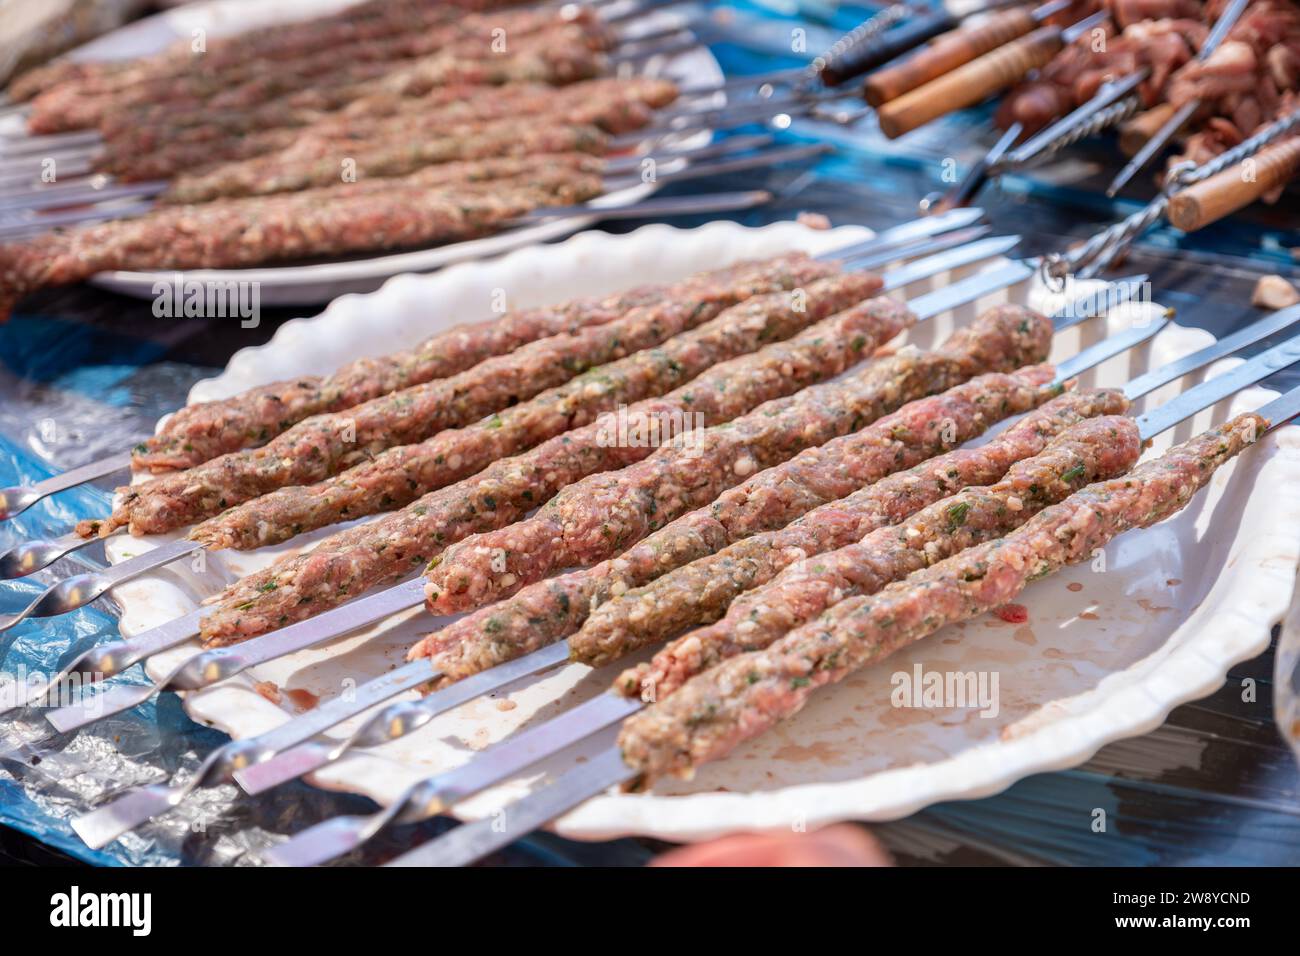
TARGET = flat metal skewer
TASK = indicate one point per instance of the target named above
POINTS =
(16, 499)
(27, 557)
(965, 191)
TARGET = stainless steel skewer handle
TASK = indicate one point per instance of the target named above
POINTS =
(80, 589)
(964, 241)
(432, 796)
(1117, 344)
(18, 498)
(47, 144)
(1099, 301)
(69, 161)
(209, 667)
(36, 225)
(59, 197)
(108, 660)
(971, 288)
(473, 841)
(960, 255)
(240, 758)
(1282, 410)
(966, 190)
(399, 719)
(106, 823)
(27, 557)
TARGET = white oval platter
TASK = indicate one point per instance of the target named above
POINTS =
(1103, 655)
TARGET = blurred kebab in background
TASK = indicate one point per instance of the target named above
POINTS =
(1077, 72)
(1244, 84)
(1248, 82)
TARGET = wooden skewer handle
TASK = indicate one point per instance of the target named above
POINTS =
(862, 57)
(1134, 133)
(969, 84)
(1235, 188)
(945, 54)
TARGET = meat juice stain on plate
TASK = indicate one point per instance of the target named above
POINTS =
(1146, 605)
(819, 750)
(302, 699)
(895, 717)
(1061, 654)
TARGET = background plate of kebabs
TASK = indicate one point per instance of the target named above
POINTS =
(1103, 650)
(338, 145)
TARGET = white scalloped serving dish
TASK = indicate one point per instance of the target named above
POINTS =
(321, 282)
(1102, 656)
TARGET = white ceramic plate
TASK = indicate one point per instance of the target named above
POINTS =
(1103, 655)
(322, 282)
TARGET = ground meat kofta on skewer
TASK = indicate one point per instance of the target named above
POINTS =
(690, 570)
(391, 547)
(600, 516)
(199, 432)
(712, 713)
